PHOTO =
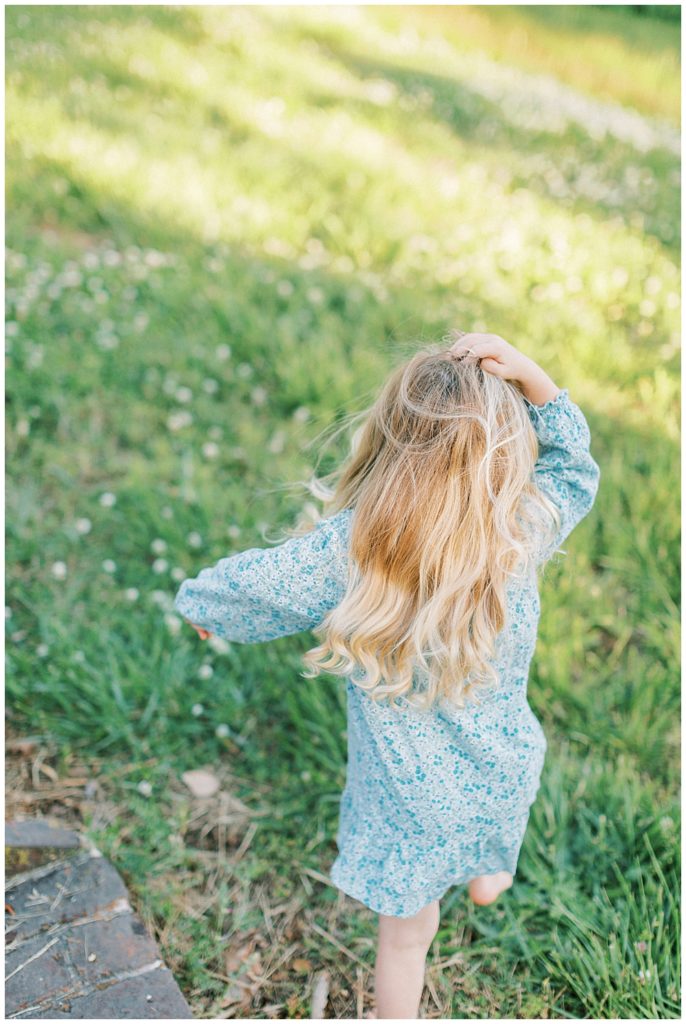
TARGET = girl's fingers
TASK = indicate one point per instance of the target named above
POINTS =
(202, 633)
(493, 366)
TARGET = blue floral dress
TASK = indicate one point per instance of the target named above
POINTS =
(433, 798)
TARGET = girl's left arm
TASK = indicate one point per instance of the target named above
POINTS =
(264, 593)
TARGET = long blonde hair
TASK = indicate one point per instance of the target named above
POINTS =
(444, 510)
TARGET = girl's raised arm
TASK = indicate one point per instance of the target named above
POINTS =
(565, 470)
(264, 593)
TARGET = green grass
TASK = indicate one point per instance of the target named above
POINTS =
(224, 226)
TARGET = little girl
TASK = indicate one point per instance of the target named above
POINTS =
(469, 471)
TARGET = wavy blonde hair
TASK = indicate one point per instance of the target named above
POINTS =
(440, 478)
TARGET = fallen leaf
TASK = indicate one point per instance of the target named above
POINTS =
(320, 995)
(301, 965)
(200, 782)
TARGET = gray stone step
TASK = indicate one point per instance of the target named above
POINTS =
(74, 947)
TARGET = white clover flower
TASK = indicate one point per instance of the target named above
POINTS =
(153, 258)
(160, 565)
(210, 386)
(111, 258)
(23, 427)
(233, 531)
(244, 370)
(161, 598)
(316, 296)
(83, 525)
(158, 546)
(144, 788)
(219, 644)
(197, 710)
(301, 414)
(35, 357)
(184, 394)
(205, 672)
(258, 395)
(109, 566)
(284, 288)
(131, 594)
(141, 321)
(107, 500)
(173, 623)
(179, 420)
(79, 657)
(222, 731)
(42, 650)
(11, 328)
(166, 512)
(178, 574)
(223, 352)
(194, 539)
(59, 570)
(277, 442)
(107, 342)
(71, 278)
(216, 433)
(8, 612)
(210, 450)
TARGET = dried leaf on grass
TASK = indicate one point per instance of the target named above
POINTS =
(201, 782)
(302, 965)
(320, 995)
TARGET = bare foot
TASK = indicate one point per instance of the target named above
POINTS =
(487, 888)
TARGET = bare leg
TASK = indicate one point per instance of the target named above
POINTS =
(400, 962)
(486, 888)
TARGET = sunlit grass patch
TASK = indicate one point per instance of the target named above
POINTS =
(224, 226)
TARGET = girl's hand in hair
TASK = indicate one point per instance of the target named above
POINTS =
(498, 357)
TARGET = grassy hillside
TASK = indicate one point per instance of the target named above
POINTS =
(225, 224)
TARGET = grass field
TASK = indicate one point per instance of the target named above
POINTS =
(224, 226)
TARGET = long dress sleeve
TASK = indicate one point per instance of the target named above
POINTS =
(264, 593)
(565, 470)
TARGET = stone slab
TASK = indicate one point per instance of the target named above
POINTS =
(35, 832)
(151, 996)
(75, 948)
